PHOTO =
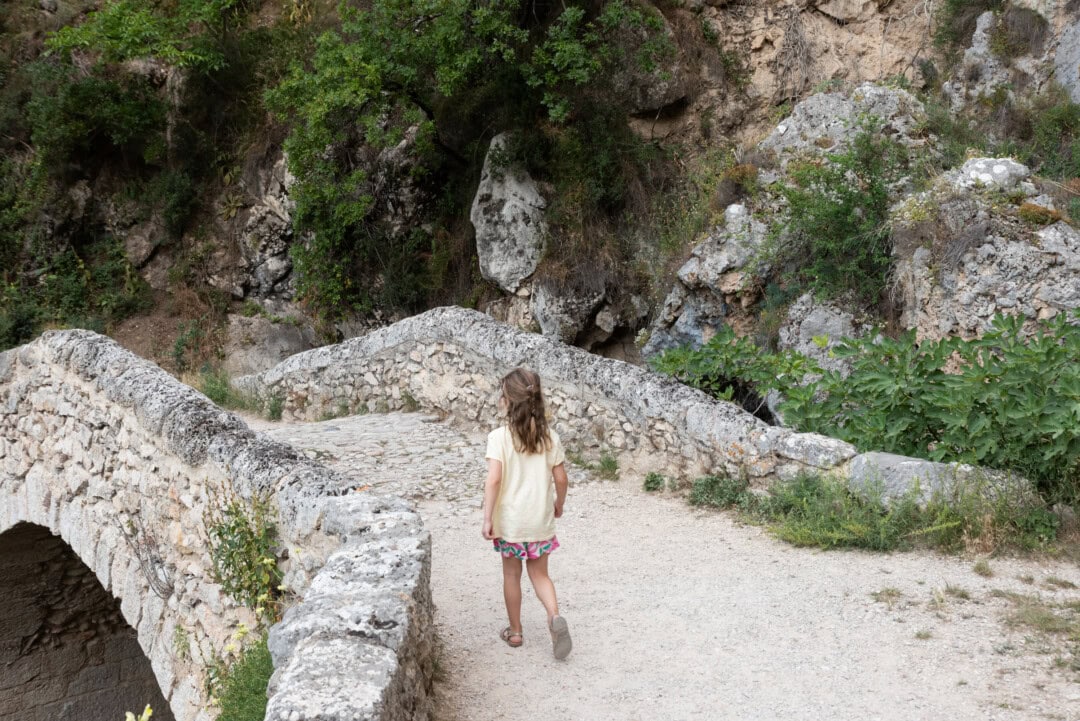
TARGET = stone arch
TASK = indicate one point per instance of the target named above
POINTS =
(67, 651)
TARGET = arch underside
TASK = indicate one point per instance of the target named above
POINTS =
(66, 651)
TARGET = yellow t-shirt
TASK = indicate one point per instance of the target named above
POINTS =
(525, 508)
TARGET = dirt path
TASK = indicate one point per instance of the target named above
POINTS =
(678, 614)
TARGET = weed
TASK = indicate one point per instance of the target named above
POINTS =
(1027, 578)
(241, 540)
(608, 467)
(982, 567)
(274, 407)
(241, 688)
(1037, 214)
(888, 595)
(654, 482)
(957, 592)
(216, 385)
(1059, 582)
(408, 402)
(923, 634)
(181, 642)
(717, 491)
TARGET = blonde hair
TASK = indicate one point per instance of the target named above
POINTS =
(525, 411)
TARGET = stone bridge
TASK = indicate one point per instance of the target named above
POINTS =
(109, 465)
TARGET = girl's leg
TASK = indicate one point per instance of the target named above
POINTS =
(512, 591)
(541, 583)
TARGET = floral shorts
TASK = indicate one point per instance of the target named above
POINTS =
(526, 551)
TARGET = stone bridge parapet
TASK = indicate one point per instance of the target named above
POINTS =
(449, 360)
(116, 457)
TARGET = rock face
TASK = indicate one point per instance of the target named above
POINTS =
(707, 284)
(508, 216)
(981, 71)
(962, 257)
(1067, 60)
(828, 122)
(267, 233)
(258, 343)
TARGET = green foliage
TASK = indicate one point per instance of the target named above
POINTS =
(818, 511)
(718, 491)
(1004, 400)
(735, 369)
(73, 118)
(242, 537)
(443, 67)
(180, 33)
(274, 407)
(835, 236)
(955, 21)
(216, 385)
(608, 467)
(241, 689)
(654, 482)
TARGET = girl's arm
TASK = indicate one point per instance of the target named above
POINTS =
(561, 484)
(491, 495)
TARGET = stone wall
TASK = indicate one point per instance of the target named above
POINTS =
(66, 651)
(449, 360)
(113, 455)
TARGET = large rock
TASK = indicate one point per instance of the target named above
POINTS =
(564, 315)
(648, 89)
(267, 232)
(889, 477)
(989, 173)
(508, 215)
(828, 122)
(708, 283)
(846, 11)
(963, 257)
(815, 327)
(1067, 60)
(258, 343)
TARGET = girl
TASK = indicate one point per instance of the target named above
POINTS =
(521, 503)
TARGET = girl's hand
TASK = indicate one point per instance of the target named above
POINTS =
(558, 509)
(486, 530)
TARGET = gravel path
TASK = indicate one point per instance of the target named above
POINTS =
(679, 614)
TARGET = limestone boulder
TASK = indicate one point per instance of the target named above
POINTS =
(708, 283)
(508, 215)
(814, 327)
(648, 89)
(564, 314)
(829, 122)
(889, 477)
(258, 343)
(989, 173)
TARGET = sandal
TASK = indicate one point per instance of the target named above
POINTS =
(560, 637)
(509, 633)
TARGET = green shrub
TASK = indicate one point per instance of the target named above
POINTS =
(455, 71)
(819, 511)
(241, 539)
(274, 407)
(241, 689)
(835, 236)
(654, 482)
(718, 491)
(732, 368)
(955, 21)
(1006, 400)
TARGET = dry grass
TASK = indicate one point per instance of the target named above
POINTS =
(982, 567)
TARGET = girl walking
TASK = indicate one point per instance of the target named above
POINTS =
(524, 494)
